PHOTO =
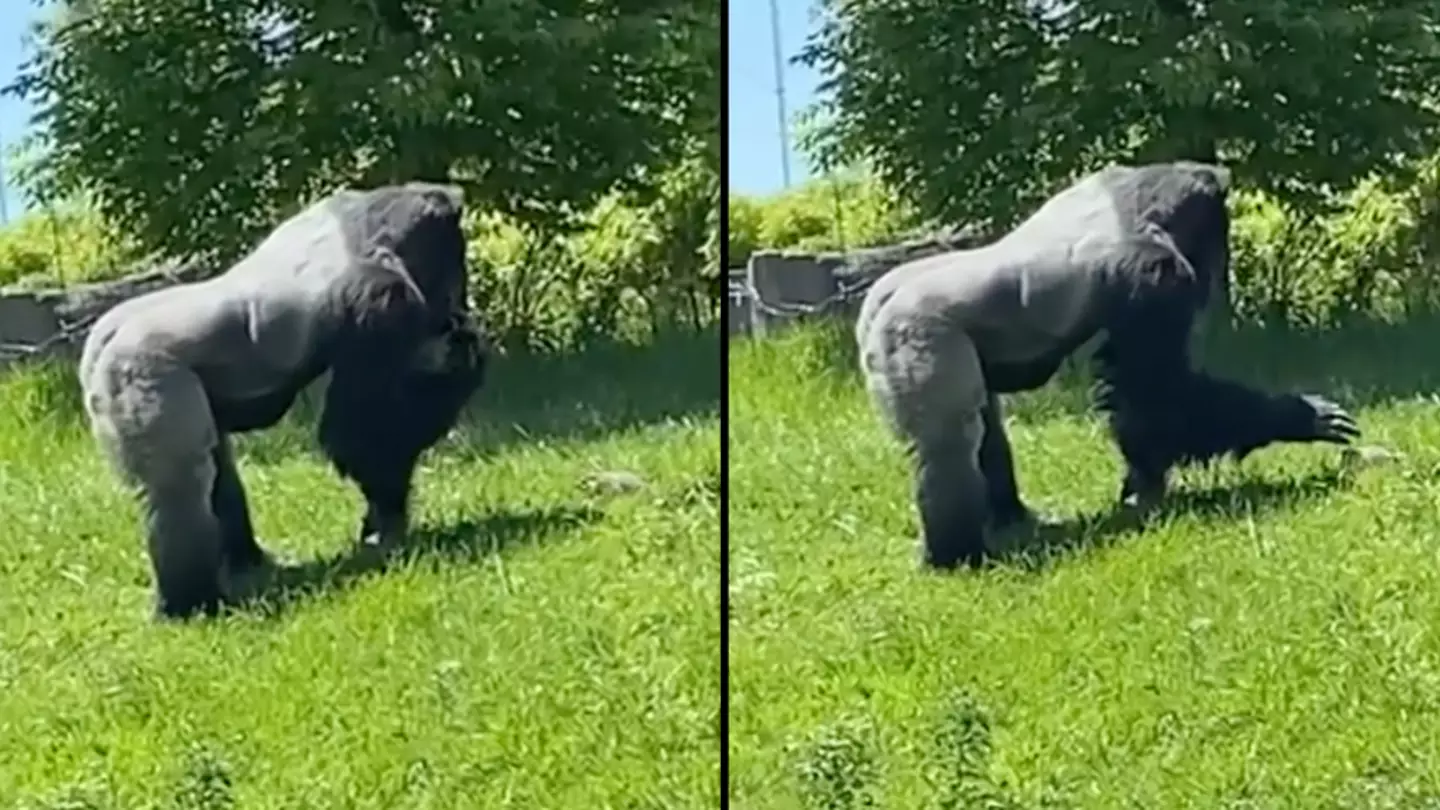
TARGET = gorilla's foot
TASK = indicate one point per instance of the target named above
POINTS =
(1023, 531)
(186, 587)
(246, 581)
(1021, 517)
(381, 530)
(195, 603)
(1142, 504)
(1002, 517)
(1142, 494)
(239, 554)
(383, 540)
(386, 537)
(946, 553)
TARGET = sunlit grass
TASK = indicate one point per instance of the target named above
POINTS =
(546, 644)
(1268, 642)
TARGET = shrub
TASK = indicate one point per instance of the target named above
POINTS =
(1303, 269)
(631, 271)
(70, 244)
(743, 224)
(834, 213)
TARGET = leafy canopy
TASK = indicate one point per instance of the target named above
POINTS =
(977, 109)
(198, 122)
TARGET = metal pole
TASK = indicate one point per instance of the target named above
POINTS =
(780, 93)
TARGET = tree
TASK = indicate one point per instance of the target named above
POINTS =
(978, 109)
(198, 122)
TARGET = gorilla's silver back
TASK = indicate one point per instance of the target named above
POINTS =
(1030, 272)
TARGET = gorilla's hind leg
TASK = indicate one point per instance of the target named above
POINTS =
(932, 387)
(239, 550)
(184, 539)
(953, 499)
(158, 432)
(998, 464)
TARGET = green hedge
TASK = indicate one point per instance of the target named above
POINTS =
(631, 271)
(1372, 255)
(68, 244)
(836, 213)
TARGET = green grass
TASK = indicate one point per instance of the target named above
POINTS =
(1269, 641)
(543, 646)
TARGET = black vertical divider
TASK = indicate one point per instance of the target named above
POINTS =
(724, 411)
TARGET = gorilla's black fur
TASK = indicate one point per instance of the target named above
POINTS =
(1133, 252)
(374, 434)
(368, 285)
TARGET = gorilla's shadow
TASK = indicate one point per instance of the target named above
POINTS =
(1036, 548)
(466, 542)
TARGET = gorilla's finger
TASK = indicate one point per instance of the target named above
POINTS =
(1324, 406)
(1345, 424)
(1334, 424)
(1344, 435)
(1337, 432)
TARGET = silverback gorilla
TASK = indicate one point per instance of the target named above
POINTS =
(1130, 251)
(368, 285)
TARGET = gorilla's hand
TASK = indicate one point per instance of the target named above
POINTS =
(382, 530)
(1313, 418)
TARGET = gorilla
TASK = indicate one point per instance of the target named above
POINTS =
(1130, 252)
(368, 285)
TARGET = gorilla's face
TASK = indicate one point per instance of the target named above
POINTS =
(465, 350)
(460, 348)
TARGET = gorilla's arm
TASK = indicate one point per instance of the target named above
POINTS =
(433, 402)
(375, 428)
(1162, 410)
(1164, 413)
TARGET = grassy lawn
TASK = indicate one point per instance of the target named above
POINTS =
(545, 645)
(1270, 641)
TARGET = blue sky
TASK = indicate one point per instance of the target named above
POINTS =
(754, 132)
(14, 114)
